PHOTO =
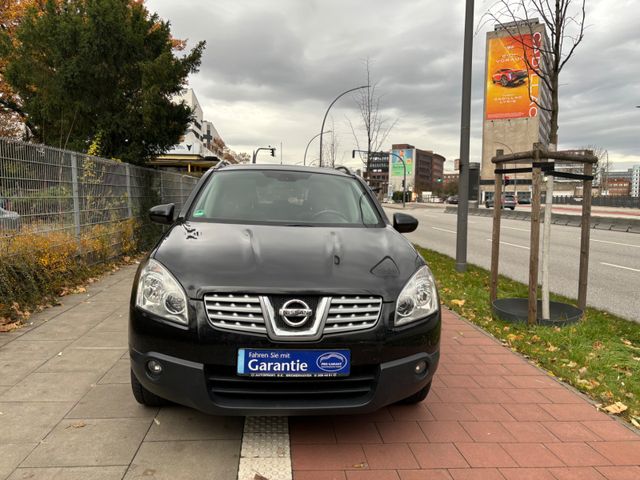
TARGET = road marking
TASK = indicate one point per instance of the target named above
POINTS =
(511, 244)
(444, 230)
(619, 266)
(265, 451)
(519, 229)
(616, 243)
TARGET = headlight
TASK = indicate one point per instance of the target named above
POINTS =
(418, 299)
(161, 294)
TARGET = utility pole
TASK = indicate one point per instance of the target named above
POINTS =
(465, 131)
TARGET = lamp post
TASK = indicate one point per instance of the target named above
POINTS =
(255, 152)
(327, 113)
(304, 159)
(465, 133)
(404, 168)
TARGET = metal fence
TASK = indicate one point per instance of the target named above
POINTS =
(604, 201)
(47, 191)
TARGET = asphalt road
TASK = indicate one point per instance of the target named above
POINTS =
(614, 264)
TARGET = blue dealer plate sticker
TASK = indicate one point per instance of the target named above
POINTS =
(293, 363)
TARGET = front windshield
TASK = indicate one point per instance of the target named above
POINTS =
(284, 197)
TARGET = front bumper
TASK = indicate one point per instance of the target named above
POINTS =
(199, 367)
(194, 385)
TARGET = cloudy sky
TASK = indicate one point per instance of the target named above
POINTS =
(272, 67)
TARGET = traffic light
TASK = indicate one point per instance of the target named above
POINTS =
(506, 180)
(439, 180)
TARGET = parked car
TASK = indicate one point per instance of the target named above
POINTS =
(283, 290)
(508, 77)
(508, 201)
(9, 220)
(453, 199)
(524, 200)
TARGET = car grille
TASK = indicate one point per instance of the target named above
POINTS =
(244, 312)
(224, 384)
(235, 312)
(352, 313)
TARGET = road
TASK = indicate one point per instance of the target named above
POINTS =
(614, 264)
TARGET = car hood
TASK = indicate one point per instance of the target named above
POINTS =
(207, 257)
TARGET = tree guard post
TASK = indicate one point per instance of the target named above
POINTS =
(534, 243)
(583, 274)
(495, 237)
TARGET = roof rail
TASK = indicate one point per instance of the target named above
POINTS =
(221, 164)
(344, 169)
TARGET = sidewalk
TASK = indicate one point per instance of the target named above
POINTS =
(490, 415)
(67, 413)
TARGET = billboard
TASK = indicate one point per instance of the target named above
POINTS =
(511, 86)
(397, 169)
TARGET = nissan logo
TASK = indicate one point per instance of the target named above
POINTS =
(295, 312)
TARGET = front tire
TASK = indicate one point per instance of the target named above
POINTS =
(417, 397)
(144, 396)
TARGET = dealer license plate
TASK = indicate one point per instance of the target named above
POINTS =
(293, 363)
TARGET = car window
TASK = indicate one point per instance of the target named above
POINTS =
(284, 197)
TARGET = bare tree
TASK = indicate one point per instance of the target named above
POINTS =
(565, 24)
(333, 146)
(600, 169)
(375, 126)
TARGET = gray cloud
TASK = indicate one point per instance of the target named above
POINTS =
(271, 68)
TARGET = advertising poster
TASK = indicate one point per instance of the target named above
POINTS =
(396, 165)
(512, 87)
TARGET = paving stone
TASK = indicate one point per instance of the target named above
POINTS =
(23, 348)
(90, 442)
(180, 423)
(119, 373)
(186, 460)
(63, 328)
(485, 455)
(25, 422)
(51, 387)
(82, 360)
(12, 454)
(391, 456)
(438, 455)
(12, 370)
(103, 339)
(70, 473)
(110, 401)
(328, 457)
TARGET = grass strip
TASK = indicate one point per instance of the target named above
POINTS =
(599, 356)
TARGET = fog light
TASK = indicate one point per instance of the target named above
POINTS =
(154, 367)
(420, 367)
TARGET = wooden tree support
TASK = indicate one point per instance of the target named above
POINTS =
(539, 158)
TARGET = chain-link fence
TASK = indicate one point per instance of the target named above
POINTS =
(47, 190)
(61, 209)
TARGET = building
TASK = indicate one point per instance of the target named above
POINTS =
(201, 146)
(425, 169)
(451, 177)
(618, 187)
(635, 181)
(377, 172)
(513, 121)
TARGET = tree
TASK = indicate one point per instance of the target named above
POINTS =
(375, 126)
(108, 69)
(600, 169)
(565, 24)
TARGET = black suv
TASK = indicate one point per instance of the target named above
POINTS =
(283, 290)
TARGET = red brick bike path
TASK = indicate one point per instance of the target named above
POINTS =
(490, 415)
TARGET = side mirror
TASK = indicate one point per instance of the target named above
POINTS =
(404, 223)
(162, 214)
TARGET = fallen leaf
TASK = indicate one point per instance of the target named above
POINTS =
(582, 371)
(79, 424)
(360, 465)
(635, 423)
(552, 348)
(458, 303)
(156, 421)
(257, 476)
(572, 364)
(615, 408)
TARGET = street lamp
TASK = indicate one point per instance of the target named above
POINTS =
(404, 168)
(255, 152)
(327, 113)
(465, 134)
(304, 159)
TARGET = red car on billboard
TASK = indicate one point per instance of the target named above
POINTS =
(508, 77)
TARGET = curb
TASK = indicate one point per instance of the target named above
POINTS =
(627, 225)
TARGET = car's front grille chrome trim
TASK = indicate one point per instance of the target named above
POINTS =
(352, 313)
(238, 312)
(255, 314)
